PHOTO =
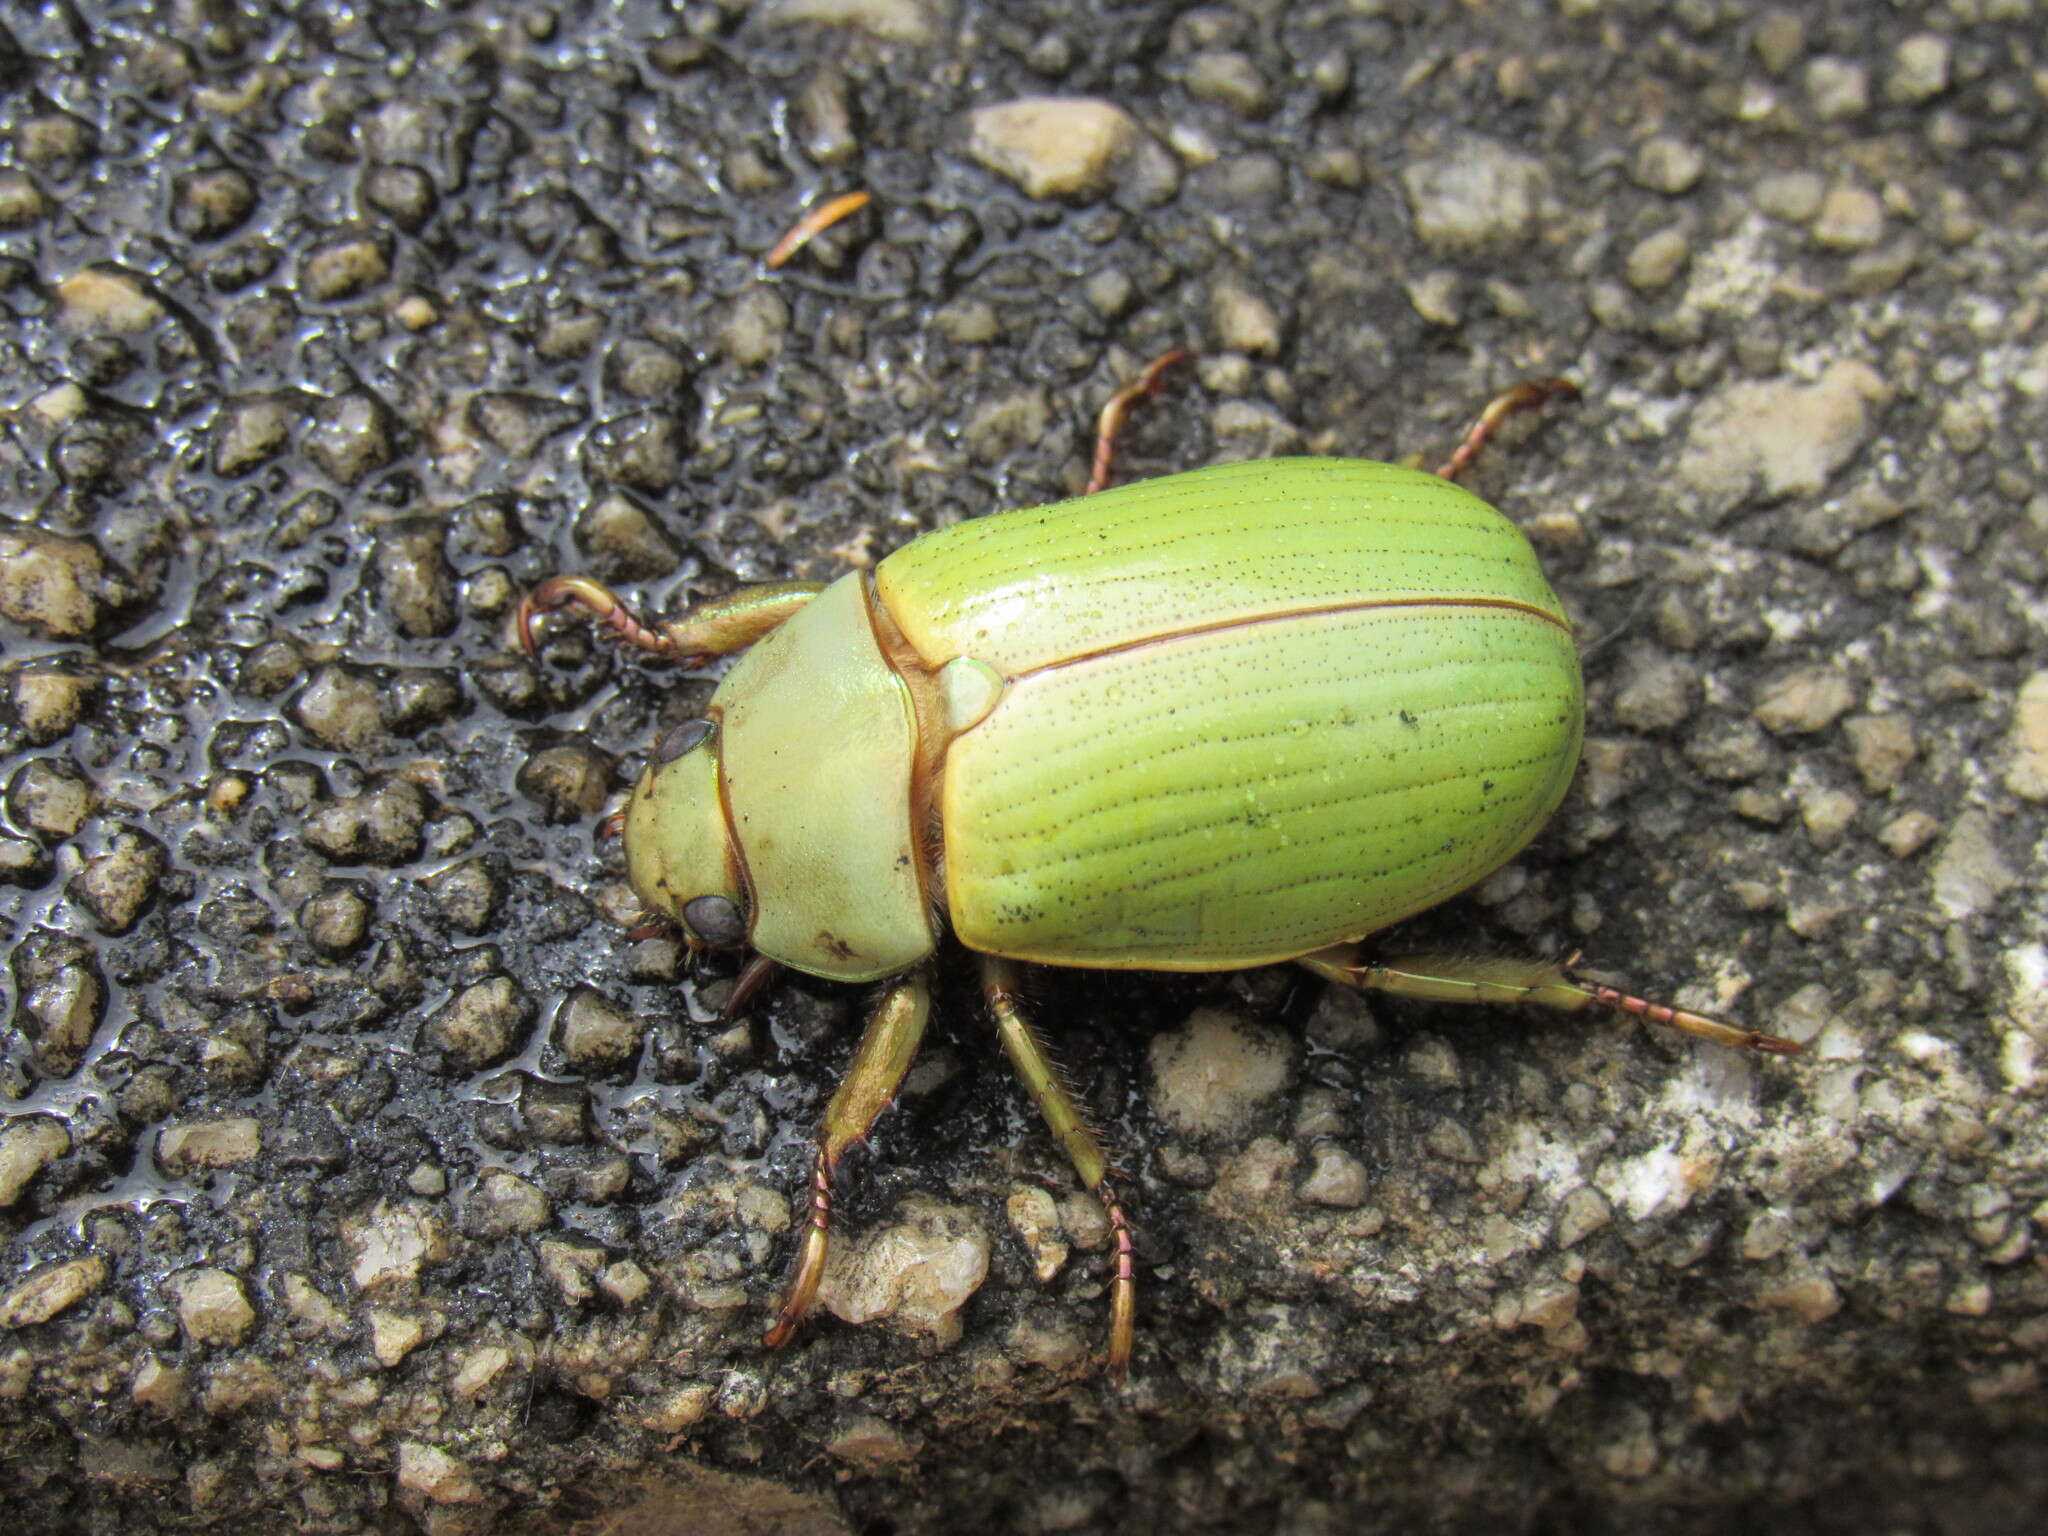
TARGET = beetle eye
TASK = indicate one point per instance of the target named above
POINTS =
(680, 739)
(717, 921)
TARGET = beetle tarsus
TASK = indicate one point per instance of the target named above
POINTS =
(1118, 406)
(1523, 397)
(810, 1266)
(599, 601)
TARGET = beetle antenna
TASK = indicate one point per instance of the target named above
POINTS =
(1118, 406)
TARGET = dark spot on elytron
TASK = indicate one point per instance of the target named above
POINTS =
(835, 946)
(680, 739)
(1486, 786)
(1410, 719)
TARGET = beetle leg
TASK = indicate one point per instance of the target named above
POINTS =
(879, 1063)
(715, 628)
(1522, 397)
(1063, 1118)
(1117, 407)
(1484, 979)
(758, 973)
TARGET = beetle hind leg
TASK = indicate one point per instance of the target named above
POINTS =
(1486, 979)
(887, 1047)
(1063, 1118)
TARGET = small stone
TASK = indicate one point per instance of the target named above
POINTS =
(117, 886)
(391, 1243)
(212, 203)
(54, 586)
(385, 825)
(1805, 700)
(625, 1282)
(825, 119)
(1229, 79)
(212, 1306)
(1970, 874)
(1338, 1179)
(569, 781)
(21, 201)
(52, 1290)
(1667, 164)
(1434, 296)
(2027, 777)
(50, 796)
(893, 21)
(343, 270)
(394, 1335)
(624, 541)
(1779, 40)
(595, 1034)
(999, 427)
(918, 1273)
(1794, 196)
(967, 321)
(352, 436)
(1838, 90)
(1109, 292)
(432, 1473)
(1906, 834)
(504, 1205)
(1052, 146)
(644, 450)
(481, 1025)
(1811, 1298)
(51, 698)
(479, 1369)
(1582, 1213)
(414, 578)
(404, 194)
(1850, 219)
(191, 1145)
(105, 299)
(1656, 259)
(1883, 746)
(645, 370)
(1919, 69)
(1828, 814)
(28, 1145)
(1035, 1218)
(755, 327)
(1244, 321)
(1476, 196)
(1777, 438)
(1212, 1074)
(867, 1441)
(517, 424)
(311, 1311)
(250, 433)
(158, 1386)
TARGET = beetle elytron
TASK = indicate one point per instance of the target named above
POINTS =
(1246, 714)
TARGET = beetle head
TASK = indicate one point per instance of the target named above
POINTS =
(679, 852)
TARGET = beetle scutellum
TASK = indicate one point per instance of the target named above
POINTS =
(1242, 715)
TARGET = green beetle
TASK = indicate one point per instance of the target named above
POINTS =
(1246, 714)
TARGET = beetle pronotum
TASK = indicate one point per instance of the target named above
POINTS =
(1336, 693)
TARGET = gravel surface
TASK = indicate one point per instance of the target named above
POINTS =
(358, 1174)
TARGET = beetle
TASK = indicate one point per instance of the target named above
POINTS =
(1246, 714)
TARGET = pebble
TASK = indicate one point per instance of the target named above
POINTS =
(414, 578)
(351, 436)
(1244, 321)
(385, 825)
(1215, 1071)
(212, 203)
(595, 1034)
(999, 427)
(1883, 747)
(1477, 196)
(1667, 164)
(60, 1002)
(404, 194)
(918, 1272)
(502, 1204)
(21, 201)
(1838, 90)
(51, 1291)
(1656, 259)
(1773, 439)
(1052, 146)
(249, 433)
(344, 270)
(1338, 1179)
(1906, 834)
(755, 327)
(569, 781)
(50, 796)
(644, 450)
(893, 21)
(1035, 1218)
(50, 698)
(212, 1306)
(52, 585)
(866, 1441)
(1231, 80)
(2027, 776)
(105, 299)
(1794, 196)
(391, 1243)
(1805, 700)
(28, 1145)
(1850, 219)
(433, 1474)
(1919, 69)
(191, 1145)
(825, 120)
(481, 1025)
(1970, 873)
(1580, 1214)
(336, 920)
(518, 424)
(394, 1335)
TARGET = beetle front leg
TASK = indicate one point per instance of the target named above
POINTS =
(1063, 1118)
(887, 1046)
(715, 628)
(1483, 979)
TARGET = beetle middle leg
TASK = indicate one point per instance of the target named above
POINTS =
(886, 1049)
(1485, 979)
(1063, 1118)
